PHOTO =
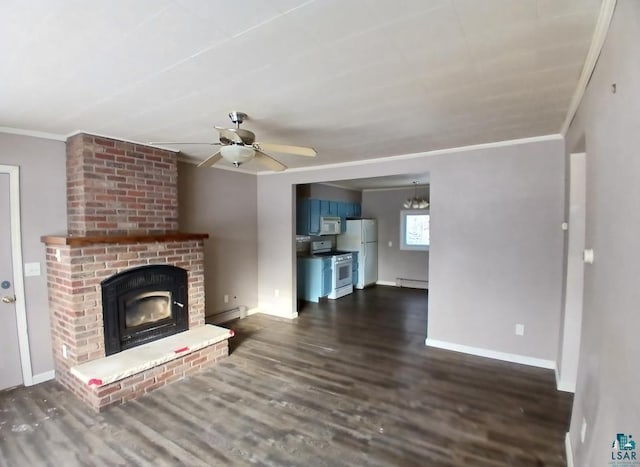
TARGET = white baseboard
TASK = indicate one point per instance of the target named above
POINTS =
(391, 283)
(253, 311)
(564, 386)
(568, 450)
(507, 357)
(277, 314)
(42, 377)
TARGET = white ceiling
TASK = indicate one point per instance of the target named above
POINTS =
(385, 183)
(356, 79)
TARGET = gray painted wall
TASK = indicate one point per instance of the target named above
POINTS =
(43, 203)
(334, 193)
(495, 220)
(385, 206)
(223, 204)
(608, 377)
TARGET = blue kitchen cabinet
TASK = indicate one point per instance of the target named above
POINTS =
(308, 217)
(314, 278)
(310, 210)
(325, 207)
(354, 270)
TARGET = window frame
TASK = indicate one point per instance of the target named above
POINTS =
(403, 225)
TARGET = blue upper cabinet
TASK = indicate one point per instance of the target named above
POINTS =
(309, 211)
(308, 217)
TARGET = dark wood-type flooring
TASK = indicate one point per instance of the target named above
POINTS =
(348, 383)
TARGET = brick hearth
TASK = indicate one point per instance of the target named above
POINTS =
(122, 213)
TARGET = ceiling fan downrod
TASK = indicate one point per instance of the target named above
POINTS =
(237, 117)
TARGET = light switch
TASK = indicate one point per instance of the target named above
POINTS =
(390, 243)
(519, 329)
(31, 269)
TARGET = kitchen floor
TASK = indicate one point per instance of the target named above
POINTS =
(350, 382)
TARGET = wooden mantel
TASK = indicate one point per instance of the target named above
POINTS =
(121, 239)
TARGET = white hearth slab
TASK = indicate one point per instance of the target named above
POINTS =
(131, 361)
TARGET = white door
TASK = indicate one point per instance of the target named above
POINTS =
(369, 230)
(370, 263)
(10, 365)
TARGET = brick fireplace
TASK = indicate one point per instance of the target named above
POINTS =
(122, 211)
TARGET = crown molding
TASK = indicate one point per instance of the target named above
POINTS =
(32, 133)
(119, 138)
(436, 152)
(396, 188)
(597, 42)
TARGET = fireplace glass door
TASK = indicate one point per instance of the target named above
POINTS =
(144, 304)
(146, 309)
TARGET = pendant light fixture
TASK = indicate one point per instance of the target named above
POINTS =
(415, 202)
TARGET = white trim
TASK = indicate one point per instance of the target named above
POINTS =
(566, 386)
(292, 315)
(437, 152)
(253, 311)
(18, 277)
(118, 138)
(34, 134)
(390, 283)
(597, 41)
(42, 377)
(507, 357)
(568, 450)
(396, 188)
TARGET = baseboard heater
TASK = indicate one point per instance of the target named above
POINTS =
(227, 315)
(412, 283)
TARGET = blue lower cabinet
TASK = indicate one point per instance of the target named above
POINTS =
(354, 270)
(314, 278)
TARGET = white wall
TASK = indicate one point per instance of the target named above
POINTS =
(608, 377)
(385, 206)
(571, 316)
(223, 204)
(43, 206)
(496, 215)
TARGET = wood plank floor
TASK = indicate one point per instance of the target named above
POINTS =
(348, 383)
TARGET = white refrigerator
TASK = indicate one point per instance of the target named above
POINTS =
(362, 236)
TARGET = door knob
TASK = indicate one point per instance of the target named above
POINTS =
(8, 299)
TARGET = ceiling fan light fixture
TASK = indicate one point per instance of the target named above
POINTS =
(237, 154)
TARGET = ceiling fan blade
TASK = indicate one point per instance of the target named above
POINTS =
(269, 162)
(286, 149)
(182, 142)
(209, 161)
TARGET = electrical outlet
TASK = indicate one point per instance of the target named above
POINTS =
(519, 329)
(583, 430)
(276, 293)
(226, 298)
(64, 351)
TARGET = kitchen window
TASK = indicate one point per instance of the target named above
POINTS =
(414, 229)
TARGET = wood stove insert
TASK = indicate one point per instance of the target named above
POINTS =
(144, 304)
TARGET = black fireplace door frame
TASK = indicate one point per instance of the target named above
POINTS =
(120, 288)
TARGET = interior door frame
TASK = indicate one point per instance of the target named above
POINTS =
(18, 276)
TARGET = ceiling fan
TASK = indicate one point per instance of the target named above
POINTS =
(238, 146)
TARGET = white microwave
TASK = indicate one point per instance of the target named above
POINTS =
(330, 225)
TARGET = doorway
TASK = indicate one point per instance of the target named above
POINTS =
(15, 362)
